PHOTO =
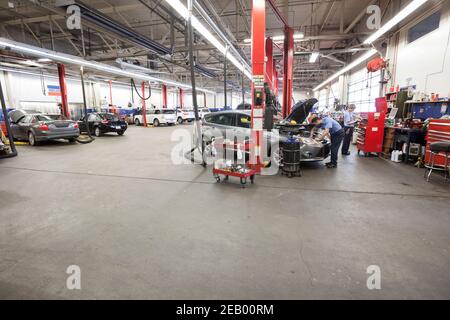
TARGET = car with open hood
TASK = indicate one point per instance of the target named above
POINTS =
(238, 122)
(34, 127)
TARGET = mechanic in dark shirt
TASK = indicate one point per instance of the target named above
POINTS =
(334, 130)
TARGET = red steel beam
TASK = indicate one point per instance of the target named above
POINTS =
(63, 89)
(288, 70)
(164, 96)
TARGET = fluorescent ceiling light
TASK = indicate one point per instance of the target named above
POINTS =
(405, 12)
(204, 32)
(313, 57)
(355, 63)
(280, 38)
(18, 47)
(43, 60)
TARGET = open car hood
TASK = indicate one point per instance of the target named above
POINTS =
(16, 115)
(301, 110)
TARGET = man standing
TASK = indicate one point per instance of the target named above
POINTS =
(349, 126)
(334, 130)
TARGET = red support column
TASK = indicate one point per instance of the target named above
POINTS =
(288, 70)
(144, 110)
(63, 88)
(164, 96)
(258, 57)
(181, 98)
(269, 63)
(275, 80)
(110, 93)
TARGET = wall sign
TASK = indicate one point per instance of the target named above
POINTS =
(53, 91)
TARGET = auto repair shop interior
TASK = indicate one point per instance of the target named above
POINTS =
(236, 149)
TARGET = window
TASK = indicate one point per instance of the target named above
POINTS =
(223, 119)
(363, 89)
(110, 117)
(42, 118)
(94, 117)
(424, 27)
(26, 119)
(244, 121)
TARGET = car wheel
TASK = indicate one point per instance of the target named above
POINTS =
(180, 120)
(31, 139)
(97, 132)
(156, 123)
(136, 122)
(120, 133)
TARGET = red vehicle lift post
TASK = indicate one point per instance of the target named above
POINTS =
(288, 59)
(181, 98)
(63, 88)
(288, 70)
(258, 61)
(164, 96)
(269, 63)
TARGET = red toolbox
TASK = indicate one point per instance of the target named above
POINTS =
(438, 131)
(370, 132)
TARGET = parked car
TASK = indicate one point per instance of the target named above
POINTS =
(202, 112)
(34, 127)
(157, 117)
(102, 122)
(184, 115)
(239, 122)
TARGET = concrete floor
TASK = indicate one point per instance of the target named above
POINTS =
(142, 228)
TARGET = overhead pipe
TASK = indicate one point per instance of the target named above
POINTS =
(33, 51)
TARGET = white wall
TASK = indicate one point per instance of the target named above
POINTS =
(426, 61)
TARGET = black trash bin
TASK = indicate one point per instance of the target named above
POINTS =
(291, 158)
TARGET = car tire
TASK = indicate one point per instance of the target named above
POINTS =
(97, 132)
(180, 120)
(32, 139)
(72, 140)
(156, 123)
(120, 133)
(136, 122)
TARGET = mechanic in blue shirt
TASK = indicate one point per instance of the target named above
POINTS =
(349, 126)
(334, 130)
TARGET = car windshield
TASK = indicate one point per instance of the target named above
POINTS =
(108, 116)
(168, 111)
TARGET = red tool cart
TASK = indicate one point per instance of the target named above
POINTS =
(370, 133)
(230, 167)
(438, 131)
